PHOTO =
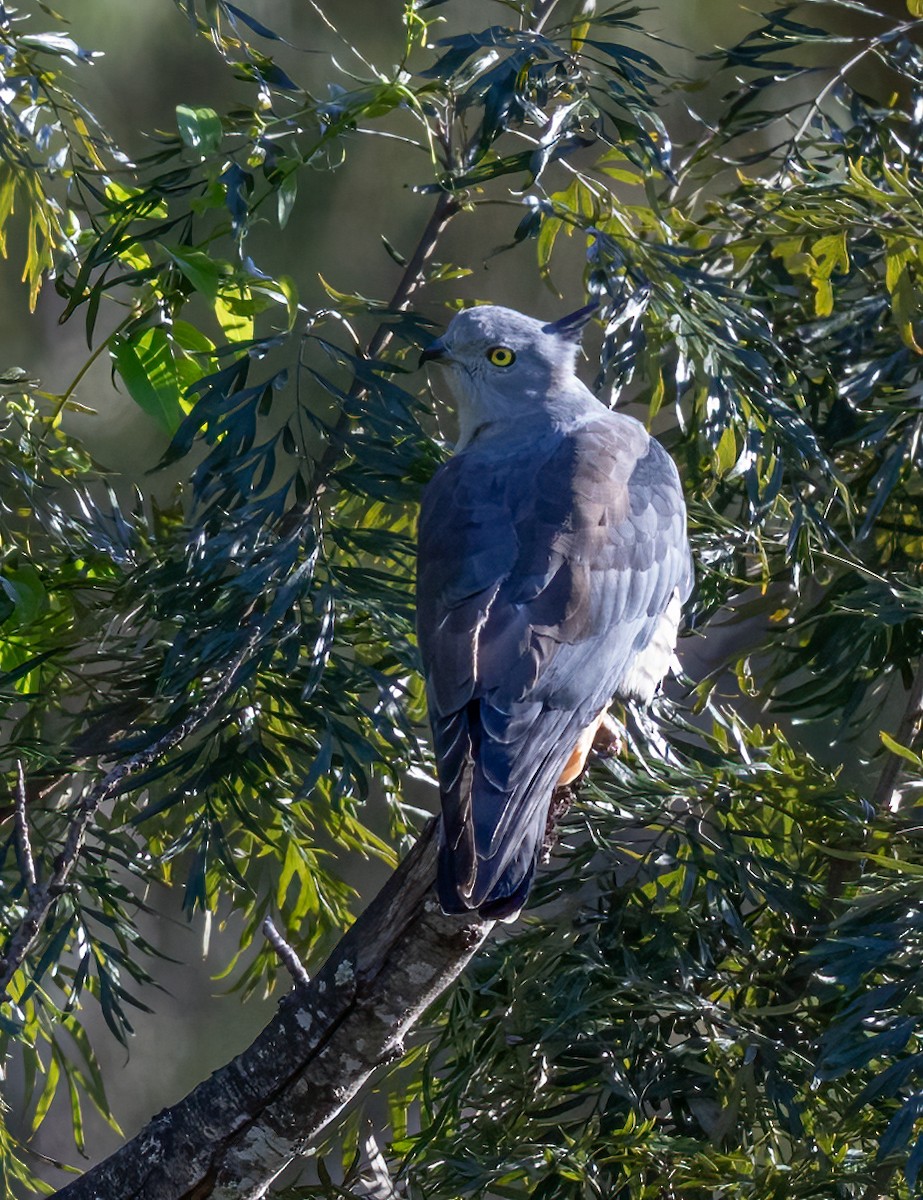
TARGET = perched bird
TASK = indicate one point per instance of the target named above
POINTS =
(552, 567)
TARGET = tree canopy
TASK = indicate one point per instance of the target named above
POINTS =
(209, 673)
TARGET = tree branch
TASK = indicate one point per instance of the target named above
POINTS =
(43, 896)
(233, 1134)
(905, 735)
(286, 954)
(23, 840)
(447, 205)
(541, 11)
(842, 870)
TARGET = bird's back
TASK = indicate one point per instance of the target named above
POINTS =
(547, 560)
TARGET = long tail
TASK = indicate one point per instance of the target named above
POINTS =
(497, 774)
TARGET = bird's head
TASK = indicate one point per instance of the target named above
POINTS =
(502, 365)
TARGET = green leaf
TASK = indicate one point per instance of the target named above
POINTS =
(203, 272)
(285, 200)
(52, 1075)
(200, 128)
(24, 587)
(146, 365)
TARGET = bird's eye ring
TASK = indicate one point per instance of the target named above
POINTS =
(501, 356)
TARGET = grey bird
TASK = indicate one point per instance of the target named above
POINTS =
(552, 566)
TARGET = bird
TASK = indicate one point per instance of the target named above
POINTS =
(552, 565)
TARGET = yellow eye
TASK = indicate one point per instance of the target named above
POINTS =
(501, 356)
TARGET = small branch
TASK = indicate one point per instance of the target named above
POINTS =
(842, 870)
(23, 841)
(905, 734)
(233, 1134)
(445, 209)
(44, 895)
(75, 382)
(286, 953)
(872, 45)
(447, 205)
(541, 11)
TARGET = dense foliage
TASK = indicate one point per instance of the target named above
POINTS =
(716, 992)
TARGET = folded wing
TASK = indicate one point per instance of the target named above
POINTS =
(545, 569)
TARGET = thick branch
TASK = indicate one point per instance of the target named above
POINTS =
(232, 1135)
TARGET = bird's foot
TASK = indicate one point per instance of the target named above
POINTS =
(607, 741)
(561, 800)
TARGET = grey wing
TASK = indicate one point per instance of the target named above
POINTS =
(541, 577)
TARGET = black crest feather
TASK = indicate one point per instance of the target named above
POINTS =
(573, 325)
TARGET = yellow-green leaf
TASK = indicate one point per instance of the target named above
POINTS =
(901, 751)
(726, 451)
(48, 1093)
(234, 309)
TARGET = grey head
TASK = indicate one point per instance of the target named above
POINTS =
(504, 367)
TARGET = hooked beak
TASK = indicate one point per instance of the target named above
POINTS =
(435, 352)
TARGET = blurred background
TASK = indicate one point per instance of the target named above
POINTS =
(151, 61)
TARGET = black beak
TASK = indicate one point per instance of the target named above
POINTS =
(434, 352)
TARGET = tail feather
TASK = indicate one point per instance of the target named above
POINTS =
(506, 897)
(497, 772)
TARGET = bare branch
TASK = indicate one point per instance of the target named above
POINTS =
(286, 953)
(232, 1135)
(905, 734)
(23, 841)
(541, 12)
(412, 278)
(845, 870)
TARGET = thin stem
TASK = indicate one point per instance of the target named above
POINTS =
(286, 953)
(76, 381)
(447, 205)
(840, 75)
(24, 843)
(541, 12)
(44, 895)
(905, 735)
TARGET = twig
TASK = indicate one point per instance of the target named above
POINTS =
(75, 382)
(23, 842)
(844, 870)
(44, 895)
(447, 205)
(286, 953)
(905, 734)
(541, 11)
(870, 47)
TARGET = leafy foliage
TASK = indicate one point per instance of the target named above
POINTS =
(716, 991)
